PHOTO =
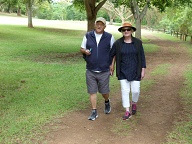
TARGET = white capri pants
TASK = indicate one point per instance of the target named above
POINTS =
(126, 87)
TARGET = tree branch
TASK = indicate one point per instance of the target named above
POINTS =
(100, 5)
(144, 9)
(89, 8)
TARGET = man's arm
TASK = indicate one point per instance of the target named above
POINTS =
(85, 51)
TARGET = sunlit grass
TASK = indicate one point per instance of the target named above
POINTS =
(161, 69)
(182, 130)
(36, 85)
(146, 84)
(166, 36)
(122, 127)
(43, 77)
(150, 48)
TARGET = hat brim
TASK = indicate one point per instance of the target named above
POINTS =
(101, 21)
(134, 29)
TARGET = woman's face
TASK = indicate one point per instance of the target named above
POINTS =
(99, 27)
(127, 31)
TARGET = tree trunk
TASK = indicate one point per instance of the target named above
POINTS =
(138, 16)
(29, 9)
(90, 25)
(111, 21)
(9, 7)
(91, 10)
(19, 11)
(191, 39)
(26, 12)
(138, 27)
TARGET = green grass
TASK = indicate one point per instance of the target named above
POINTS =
(150, 48)
(121, 127)
(29, 44)
(146, 84)
(182, 130)
(43, 77)
(161, 69)
(40, 78)
(35, 86)
(168, 37)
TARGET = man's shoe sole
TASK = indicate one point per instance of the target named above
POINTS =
(107, 112)
(93, 119)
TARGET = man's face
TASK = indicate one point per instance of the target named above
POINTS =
(99, 27)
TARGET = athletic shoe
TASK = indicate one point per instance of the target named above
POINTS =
(107, 108)
(134, 109)
(127, 115)
(93, 115)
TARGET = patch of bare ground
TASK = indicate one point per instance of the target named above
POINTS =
(158, 107)
(59, 57)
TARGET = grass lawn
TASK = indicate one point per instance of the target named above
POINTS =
(182, 131)
(36, 82)
(42, 76)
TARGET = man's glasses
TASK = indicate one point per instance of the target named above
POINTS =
(129, 29)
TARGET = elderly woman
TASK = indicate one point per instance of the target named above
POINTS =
(130, 67)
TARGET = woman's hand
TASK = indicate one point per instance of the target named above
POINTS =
(111, 69)
(112, 66)
(142, 73)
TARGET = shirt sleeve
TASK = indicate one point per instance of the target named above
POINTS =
(83, 44)
(143, 58)
(112, 41)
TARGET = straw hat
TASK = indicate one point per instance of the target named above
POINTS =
(126, 24)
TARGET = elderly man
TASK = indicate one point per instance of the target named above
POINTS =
(95, 47)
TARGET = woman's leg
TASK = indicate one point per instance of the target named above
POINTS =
(135, 90)
(125, 90)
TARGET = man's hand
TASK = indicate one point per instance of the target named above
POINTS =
(87, 52)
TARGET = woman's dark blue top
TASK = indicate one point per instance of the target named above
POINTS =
(129, 62)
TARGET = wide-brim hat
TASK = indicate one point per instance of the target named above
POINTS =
(126, 24)
(101, 19)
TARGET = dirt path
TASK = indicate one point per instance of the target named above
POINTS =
(158, 108)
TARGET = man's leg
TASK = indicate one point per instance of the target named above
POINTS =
(106, 97)
(93, 100)
(103, 87)
(107, 103)
(92, 90)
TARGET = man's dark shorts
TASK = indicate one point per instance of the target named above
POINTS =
(97, 82)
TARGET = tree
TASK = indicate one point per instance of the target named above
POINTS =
(180, 21)
(30, 4)
(139, 8)
(92, 7)
(153, 17)
(121, 11)
(9, 5)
